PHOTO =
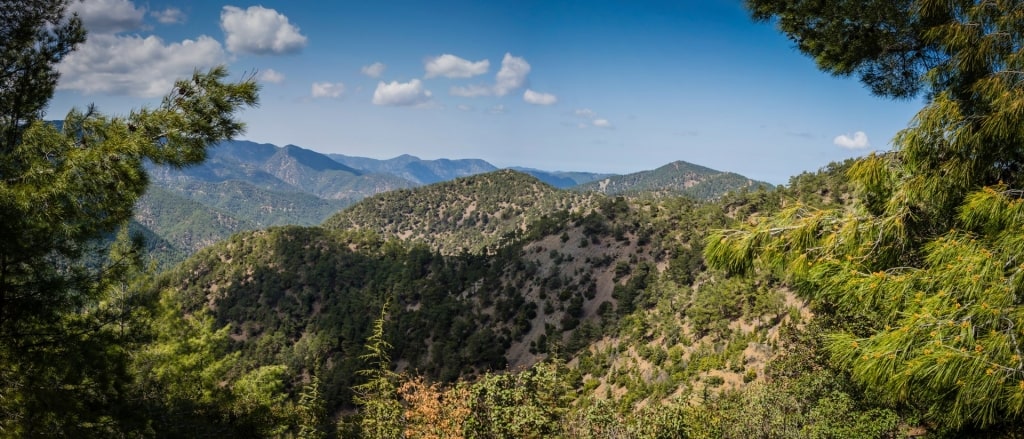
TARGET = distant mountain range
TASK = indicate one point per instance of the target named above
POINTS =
(246, 185)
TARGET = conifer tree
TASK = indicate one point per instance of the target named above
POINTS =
(926, 268)
(62, 190)
(380, 411)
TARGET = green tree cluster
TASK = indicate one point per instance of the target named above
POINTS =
(67, 323)
(924, 269)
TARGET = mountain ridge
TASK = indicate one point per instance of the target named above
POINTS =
(675, 178)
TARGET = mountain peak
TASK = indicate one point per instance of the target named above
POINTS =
(678, 177)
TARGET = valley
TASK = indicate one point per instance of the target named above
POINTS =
(162, 278)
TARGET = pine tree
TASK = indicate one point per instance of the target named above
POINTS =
(380, 411)
(311, 411)
(63, 189)
(925, 269)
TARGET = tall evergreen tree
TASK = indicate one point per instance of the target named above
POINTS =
(926, 268)
(62, 190)
(380, 411)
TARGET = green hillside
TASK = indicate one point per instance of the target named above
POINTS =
(470, 213)
(187, 224)
(676, 178)
(261, 207)
(620, 292)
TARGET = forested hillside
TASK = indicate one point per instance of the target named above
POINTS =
(469, 213)
(613, 300)
(676, 178)
(417, 170)
(246, 186)
(876, 298)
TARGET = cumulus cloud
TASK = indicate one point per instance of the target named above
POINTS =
(135, 65)
(260, 31)
(535, 98)
(169, 16)
(271, 76)
(512, 74)
(497, 109)
(108, 16)
(858, 140)
(374, 70)
(451, 66)
(511, 77)
(401, 93)
(328, 89)
(464, 107)
(602, 123)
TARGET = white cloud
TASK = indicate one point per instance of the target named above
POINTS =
(497, 109)
(260, 31)
(471, 91)
(108, 16)
(591, 115)
(535, 98)
(271, 76)
(374, 70)
(401, 93)
(451, 66)
(169, 16)
(585, 113)
(511, 77)
(859, 140)
(133, 65)
(464, 107)
(512, 74)
(328, 89)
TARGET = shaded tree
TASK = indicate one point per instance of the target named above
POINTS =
(62, 190)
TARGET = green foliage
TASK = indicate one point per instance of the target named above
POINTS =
(69, 319)
(34, 38)
(311, 411)
(922, 271)
(674, 179)
(466, 214)
(529, 404)
(380, 414)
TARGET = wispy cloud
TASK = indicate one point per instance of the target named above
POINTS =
(169, 16)
(374, 70)
(591, 116)
(471, 91)
(859, 140)
(327, 89)
(585, 113)
(271, 76)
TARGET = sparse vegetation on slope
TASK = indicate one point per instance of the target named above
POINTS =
(470, 213)
(676, 178)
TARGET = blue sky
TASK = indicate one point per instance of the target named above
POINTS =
(606, 86)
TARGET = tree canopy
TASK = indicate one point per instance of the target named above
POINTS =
(925, 268)
(64, 305)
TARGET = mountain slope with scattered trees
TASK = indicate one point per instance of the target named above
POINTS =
(469, 213)
(676, 178)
